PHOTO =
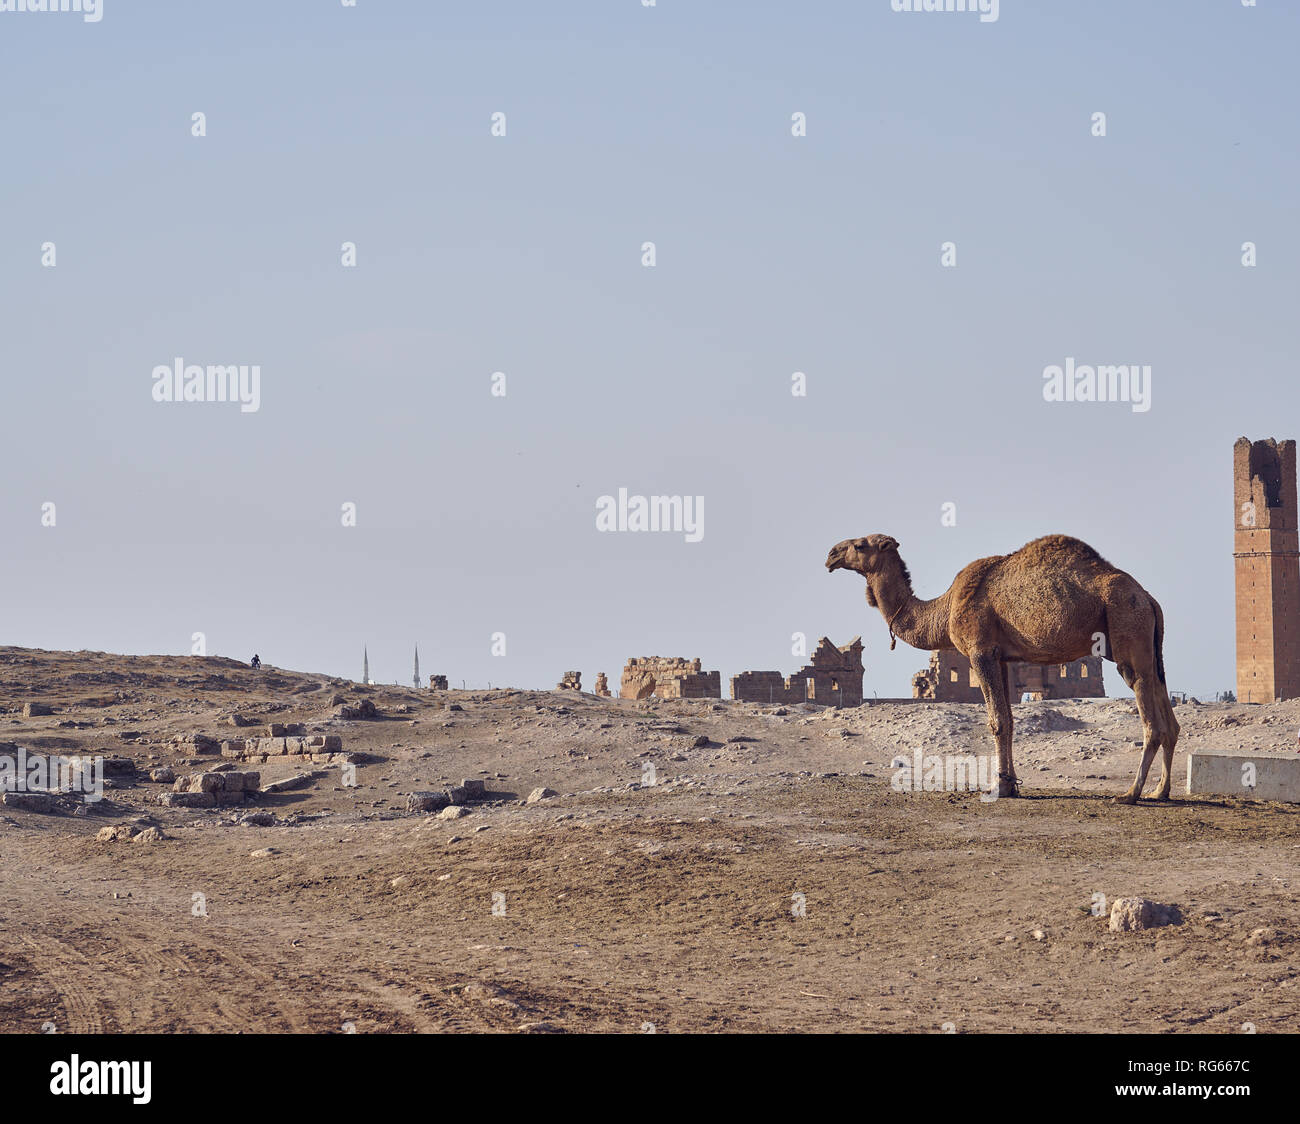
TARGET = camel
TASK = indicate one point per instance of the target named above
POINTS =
(1054, 600)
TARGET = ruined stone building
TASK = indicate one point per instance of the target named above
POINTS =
(668, 677)
(1266, 557)
(833, 678)
(950, 678)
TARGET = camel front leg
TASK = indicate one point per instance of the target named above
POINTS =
(991, 672)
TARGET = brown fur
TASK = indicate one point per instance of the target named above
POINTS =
(1052, 601)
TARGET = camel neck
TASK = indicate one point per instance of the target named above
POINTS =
(922, 624)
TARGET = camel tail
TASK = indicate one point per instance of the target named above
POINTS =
(1160, 640)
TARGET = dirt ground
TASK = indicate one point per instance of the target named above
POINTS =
(620, 905)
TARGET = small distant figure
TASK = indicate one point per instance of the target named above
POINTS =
(256, 661)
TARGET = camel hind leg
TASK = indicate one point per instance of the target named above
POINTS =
(1168, 740)
(1171, 729)
(1137, 654)
(1152, 723)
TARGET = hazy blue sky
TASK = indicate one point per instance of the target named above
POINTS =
(522, 254)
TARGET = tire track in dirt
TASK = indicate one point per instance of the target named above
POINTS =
(65, 969)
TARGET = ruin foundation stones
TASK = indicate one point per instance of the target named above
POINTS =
(220, 787)
(437, 682)
(602, 686)
(572, 681)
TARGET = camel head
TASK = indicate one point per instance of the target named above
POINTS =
(866, 556)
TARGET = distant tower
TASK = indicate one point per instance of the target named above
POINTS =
(1266, 554)
(365, 666)
(416, 681)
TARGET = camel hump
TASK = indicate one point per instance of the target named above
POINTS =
(1061, 556)
(1058, 550)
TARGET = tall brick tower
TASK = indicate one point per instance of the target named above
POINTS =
(1266, 552)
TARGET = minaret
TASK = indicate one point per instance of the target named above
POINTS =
(416, 681)
(1268, 574)
(365, 666)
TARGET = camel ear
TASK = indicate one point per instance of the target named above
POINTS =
(882, 542)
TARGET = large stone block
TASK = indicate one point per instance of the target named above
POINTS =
(29, 801)
(188, 799)
(1262, 774)
(426, 801)
(208, 782)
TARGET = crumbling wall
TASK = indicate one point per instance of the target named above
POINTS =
(668, 677)
(832, 678)
(949, 678)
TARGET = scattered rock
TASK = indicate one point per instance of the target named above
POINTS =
(36, 709)
(288, 784)
(427, 801)
(150, 835)
(1132, 914)
(541, 794)
(453, 812)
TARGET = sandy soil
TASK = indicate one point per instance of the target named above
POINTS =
(629, 905)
